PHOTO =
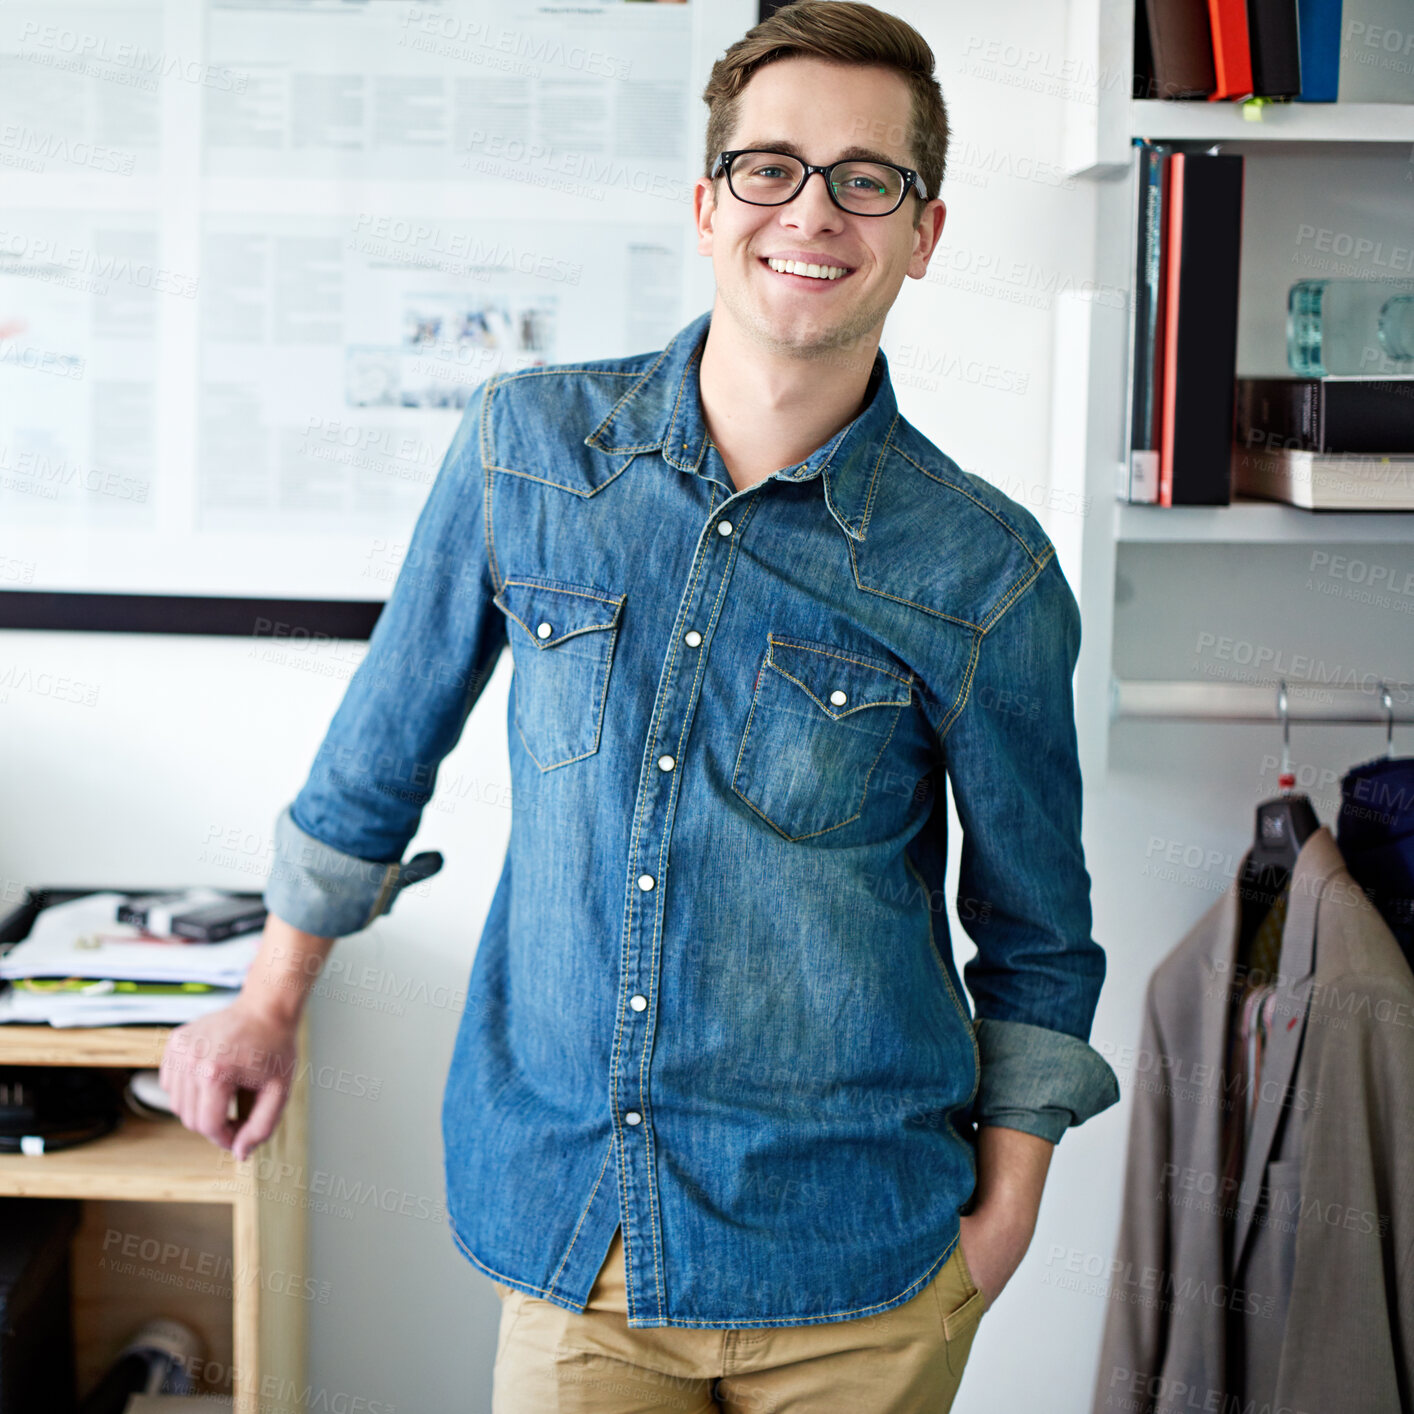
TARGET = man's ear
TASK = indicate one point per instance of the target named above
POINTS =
(926, 235)
(704, 209)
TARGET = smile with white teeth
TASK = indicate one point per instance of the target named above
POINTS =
(799, 267)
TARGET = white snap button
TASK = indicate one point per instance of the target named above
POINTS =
(544, 631)
(633, 1117)
(645, 882)
(666, 763)
(692, 638)
(638, 1003)
(724, 527)
(838, 698)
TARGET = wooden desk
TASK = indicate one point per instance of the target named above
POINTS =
(173, 1225)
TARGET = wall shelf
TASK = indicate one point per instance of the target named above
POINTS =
(1198, 120)
(1253, 522)
(1357, 158)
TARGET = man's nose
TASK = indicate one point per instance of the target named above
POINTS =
(811, 208)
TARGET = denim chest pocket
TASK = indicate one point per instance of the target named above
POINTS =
(820, 719)
(562, 643)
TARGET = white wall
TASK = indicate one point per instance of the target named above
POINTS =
(1018, 234)
(176, 771)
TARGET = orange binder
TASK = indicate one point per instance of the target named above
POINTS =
(1232, 49)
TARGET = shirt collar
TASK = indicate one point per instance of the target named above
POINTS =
(662, 412)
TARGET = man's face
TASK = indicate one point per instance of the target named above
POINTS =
(820, 112)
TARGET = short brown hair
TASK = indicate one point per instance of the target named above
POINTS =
(846, 33)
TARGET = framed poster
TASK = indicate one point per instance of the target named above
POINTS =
(254, 259)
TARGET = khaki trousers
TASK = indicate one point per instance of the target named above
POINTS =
(906, 1360)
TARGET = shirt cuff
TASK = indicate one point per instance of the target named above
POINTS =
(1038, 1080)
(321, 890)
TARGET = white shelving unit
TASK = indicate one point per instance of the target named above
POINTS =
(1251, 522)
(1089, 428)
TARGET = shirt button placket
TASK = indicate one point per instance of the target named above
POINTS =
(656, 804)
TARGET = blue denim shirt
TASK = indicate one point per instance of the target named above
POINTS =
(715, 998)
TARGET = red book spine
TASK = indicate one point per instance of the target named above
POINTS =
(1173, 265)
(1232, 49)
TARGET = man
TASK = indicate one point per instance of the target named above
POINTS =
(717, 1114)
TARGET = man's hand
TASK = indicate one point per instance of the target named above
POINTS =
(249, 1046)
(207, 1062)
(1011, 1173)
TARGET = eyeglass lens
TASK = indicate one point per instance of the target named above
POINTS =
(770, 178)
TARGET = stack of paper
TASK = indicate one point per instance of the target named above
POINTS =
(79, 967)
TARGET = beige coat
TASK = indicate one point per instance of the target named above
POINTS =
(1317, 1316)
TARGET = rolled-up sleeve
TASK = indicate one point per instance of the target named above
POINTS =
(1023, 888)
(339, 844)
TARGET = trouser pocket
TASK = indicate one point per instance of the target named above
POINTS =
(960, 1306)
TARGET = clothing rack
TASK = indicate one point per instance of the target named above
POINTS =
(1289, 700)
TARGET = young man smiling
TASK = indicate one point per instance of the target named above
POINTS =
(718, 1124)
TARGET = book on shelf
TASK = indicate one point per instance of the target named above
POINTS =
(1276, 48)
(1186, 240)
(1140, 480)
(1180, 48)
(1311, 51)
(1232, 50)
(1320, 481)
(1328, 415)
(1318, 28)
(1198, 365)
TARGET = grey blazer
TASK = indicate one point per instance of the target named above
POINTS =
(1317, 1316)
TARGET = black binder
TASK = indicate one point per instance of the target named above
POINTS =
(1200, 333)
(1276, 49)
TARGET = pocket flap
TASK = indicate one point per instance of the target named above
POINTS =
(840, 680)
(550, 611)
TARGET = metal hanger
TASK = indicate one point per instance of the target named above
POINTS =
(1283, 824)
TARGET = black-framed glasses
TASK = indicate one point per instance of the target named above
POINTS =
(863, 188)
